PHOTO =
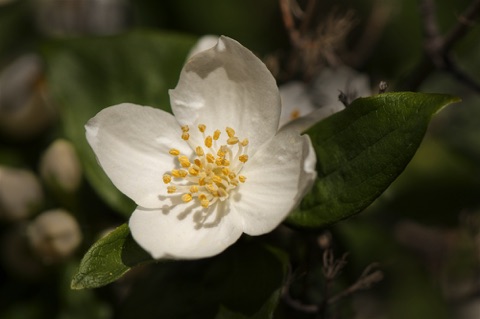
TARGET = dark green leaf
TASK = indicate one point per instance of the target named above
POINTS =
(361, 150)
(109, 259)
(89, 74)
(243, 282)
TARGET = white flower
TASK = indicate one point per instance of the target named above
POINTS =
(218, 168)
(304, 105)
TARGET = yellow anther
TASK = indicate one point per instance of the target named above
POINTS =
(184, 161)
(208, 141)
(225, 171)
(217, 179)
(242, 178)
(174, 152)
(202, 127)
(185, 136)
(193, 171)
(244, 142)
(219, 161)
(171, 189)
(179, 173)
(187, 197)
(216, 135)
(167, 178)
(199, 151)
(203, 200)
(243, 158)
(201, 181)
(185, 128)
(198, 163)
(232, 140)
(222, 151)
(232, 175)
(210, 158)
(211, 189)
(205, 203)
(193, 189)
(230, 131)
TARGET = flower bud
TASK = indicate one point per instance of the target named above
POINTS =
(54, 235)
(23, 108)
(20, 193)
(60, 167)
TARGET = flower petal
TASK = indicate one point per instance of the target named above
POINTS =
(228, 86)
(131, 143)
(204, 43)
(275, 182)
(172, 232)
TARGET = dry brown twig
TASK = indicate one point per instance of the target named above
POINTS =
(438, 48)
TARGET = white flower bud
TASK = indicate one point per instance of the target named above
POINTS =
(20, 193)
(60, 167)
(23, 108)
(54, 235)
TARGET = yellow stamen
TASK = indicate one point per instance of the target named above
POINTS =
(230, 131)
(185, 128)
(167, 178)
(216, 135)
(202, 127)
(199, 151)
(193, 171)
(243, 158)
(232, 140)
(184, 161)
(179, 173)
(208, 141)
(185, 136)
(171, 189)
(194, 189)
(242, 178)
(187, 197)
(174, 152)
(244, 142)
(217, 179)
(210, 158)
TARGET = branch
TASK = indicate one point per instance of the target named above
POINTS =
(437, 49)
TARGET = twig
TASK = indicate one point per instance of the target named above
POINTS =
(437, 49)
(365, 281)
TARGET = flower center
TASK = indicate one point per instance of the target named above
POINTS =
(213, 171)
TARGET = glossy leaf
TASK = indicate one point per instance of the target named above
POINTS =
(88, 74)
(109, 259)
(361, 151)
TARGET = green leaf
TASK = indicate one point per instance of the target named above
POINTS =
(363, 149)
(86, 75)
(245, 281)
(109, 259)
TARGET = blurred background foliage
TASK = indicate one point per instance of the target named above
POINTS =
(62, 61)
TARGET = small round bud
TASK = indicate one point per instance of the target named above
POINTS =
(24, 111)
(54, 235)
(20, 194)
(60, 167)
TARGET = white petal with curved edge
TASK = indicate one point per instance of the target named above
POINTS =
(228, 86)
(273, 186)
(171, 233)
(131, 143)
(204, 43)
